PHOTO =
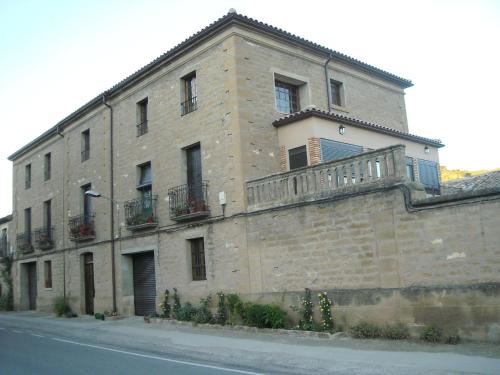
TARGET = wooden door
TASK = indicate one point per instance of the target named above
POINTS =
(32, 286)
(89, 283)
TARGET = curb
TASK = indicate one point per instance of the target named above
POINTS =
(275, 331)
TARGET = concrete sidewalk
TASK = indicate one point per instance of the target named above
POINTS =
(266, 352)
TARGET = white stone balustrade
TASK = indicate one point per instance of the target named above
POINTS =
(322, 180)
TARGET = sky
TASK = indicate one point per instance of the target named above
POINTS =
(57, 55)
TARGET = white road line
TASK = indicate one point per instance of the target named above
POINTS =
(34, 334)
(17, 331)
(160, 358)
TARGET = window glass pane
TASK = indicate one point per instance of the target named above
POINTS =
(409, 169)
(287, 97)
(145, 175)
(297, 157)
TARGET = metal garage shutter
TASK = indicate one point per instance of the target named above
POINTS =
(332, 150)
(428, 174)
(144, 284)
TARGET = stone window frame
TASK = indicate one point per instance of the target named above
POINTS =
(303, 88)
(340, 93)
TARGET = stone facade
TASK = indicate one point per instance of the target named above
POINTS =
(367, 241)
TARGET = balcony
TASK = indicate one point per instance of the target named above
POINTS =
(189, 105)
(81, 228)
(141, 213)
(328, 179)
(189, 202)
(44, 238)
(24, 244)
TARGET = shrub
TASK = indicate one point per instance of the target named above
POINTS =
(221, 316)
(452, 339)
(61, 306)
(165, 306)
(398, 331)
(365, 330)
(306, 322)
(235, 306)
(275, 316)
(263, 316)
(203, 314)
(325, 307)
(431, 333)
(186, 312)
(177, 304)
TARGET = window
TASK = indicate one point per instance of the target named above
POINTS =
(27, 225)
(47, 271)
(198, 259)
(27, 176)
(429, 175)
(287, 97)
(145, 189)
(47, 166)
(47, 214)
(86, 202)
(142, 117)
(336, 89)
(333, 150)
(409, 169)
(189, 99)
(297, 157)
(85, 145)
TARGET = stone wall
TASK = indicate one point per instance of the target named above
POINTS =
(381, 262)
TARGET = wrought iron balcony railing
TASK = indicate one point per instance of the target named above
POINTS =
(141, 213)
(44, 238)
(24, 244)
(81, 227)
(142, 128)
(189, 105)
(189, 202)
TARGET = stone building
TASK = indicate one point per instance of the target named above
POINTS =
(248, 160)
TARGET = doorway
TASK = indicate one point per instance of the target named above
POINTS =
(88, 270)
(144, 283)
(32, 285)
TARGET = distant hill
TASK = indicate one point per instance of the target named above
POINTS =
(453, 174)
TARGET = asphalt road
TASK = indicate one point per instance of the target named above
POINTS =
(39, 343)
(26, 352)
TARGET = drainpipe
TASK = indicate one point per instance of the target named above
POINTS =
(327, 81)
(64, 215)
(111, 202)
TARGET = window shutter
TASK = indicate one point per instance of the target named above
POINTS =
(428, 173)
(332, 150)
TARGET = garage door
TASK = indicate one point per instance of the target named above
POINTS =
(144, 284)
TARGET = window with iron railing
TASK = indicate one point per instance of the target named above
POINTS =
(47, 166)
(85, 145)
(189, 101)
(198, 268)
(27, 176)
(142, 117)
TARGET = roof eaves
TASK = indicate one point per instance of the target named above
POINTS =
(191, 42)
(354, 122)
